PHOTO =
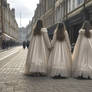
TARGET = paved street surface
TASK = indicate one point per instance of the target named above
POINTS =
(5, 56)
(8, 52)
(12, 79)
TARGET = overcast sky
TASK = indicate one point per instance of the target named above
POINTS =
(25, 9)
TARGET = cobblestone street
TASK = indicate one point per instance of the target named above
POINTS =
(12, 79)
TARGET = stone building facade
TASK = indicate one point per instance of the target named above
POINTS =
(28, 31)
(79, 13)
(64, 7)
(0, 25)
(54, 11)
(9, 26)
(22, 34)
(45, 11)
(0, 17)
(72, 12)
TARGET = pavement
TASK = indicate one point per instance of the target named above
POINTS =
(6, 56)
(12, 79)
(2, 50)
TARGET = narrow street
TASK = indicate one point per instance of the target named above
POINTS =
(12, 78)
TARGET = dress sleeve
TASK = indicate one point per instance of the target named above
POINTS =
(76, 50)
(46, 38)
(67, 40)
(31, 38)
(53, 40)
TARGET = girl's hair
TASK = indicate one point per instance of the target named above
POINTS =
(87, 27)
(37, 29)
(60, 36)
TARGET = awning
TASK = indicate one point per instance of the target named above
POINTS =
(7, 37)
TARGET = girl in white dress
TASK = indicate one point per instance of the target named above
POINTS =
(37, 58)
(59, 64)
(82, 56)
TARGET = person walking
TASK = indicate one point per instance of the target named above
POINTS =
(59, 64)
(37, 58)
(82, 55)
(27, 43)
(24, 44)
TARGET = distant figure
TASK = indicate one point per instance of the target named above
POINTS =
(59, 64)
(27, 43)
(82, 56)
(38, 52)
(3, 44)
(24, 44)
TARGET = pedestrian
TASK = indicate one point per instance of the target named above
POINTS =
(24, 44)
(27, 43)
(3, 44)
(59, 65)
(38, 52)
(82, 56)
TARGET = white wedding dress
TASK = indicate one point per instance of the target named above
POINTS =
(82, 56)
(37, 58)
(60, 58)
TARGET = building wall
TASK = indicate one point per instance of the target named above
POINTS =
(49, 15)
(63, 7)
(59, 11)
(28, 31)
(70, 11)
(54, 11)
(0, 16)
(23, 33)
(0, 25)
(45, 11)
(8, 23)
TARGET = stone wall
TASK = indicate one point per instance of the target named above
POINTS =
(45, 10)
(8, 25)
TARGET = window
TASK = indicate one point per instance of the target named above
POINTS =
(80, 2)
(69, 6)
